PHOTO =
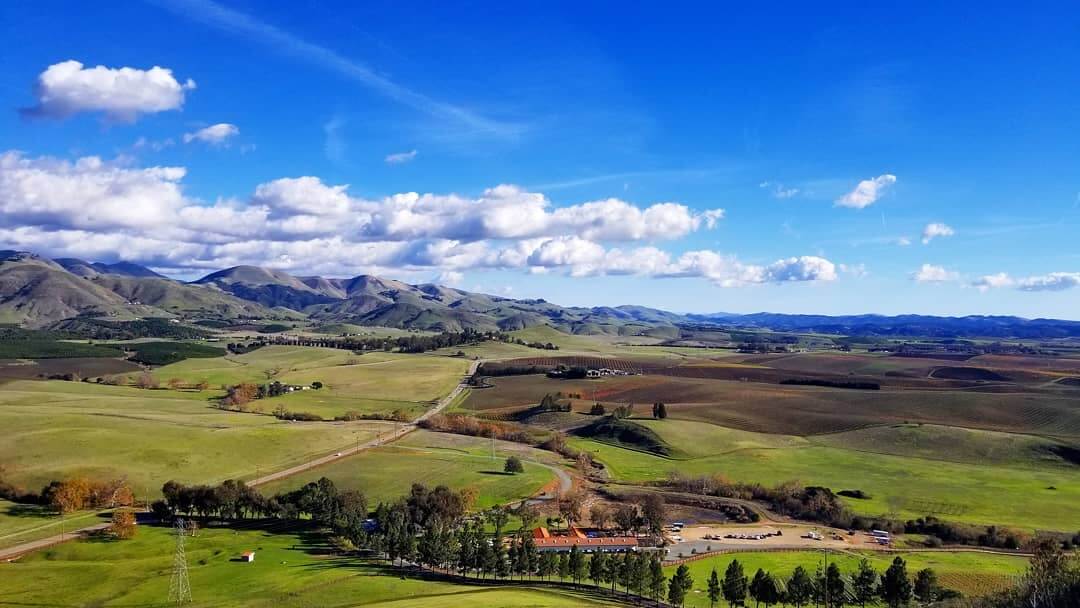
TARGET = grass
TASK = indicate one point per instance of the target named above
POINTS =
(21, 523)
(371, 383)
(292, 570)
(971, 573)
(59, 429)
(1013, 492)
(387, 472)
(164, 353)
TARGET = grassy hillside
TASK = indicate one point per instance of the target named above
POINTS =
(58, 429)
(1015, 491)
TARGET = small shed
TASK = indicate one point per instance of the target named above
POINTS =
(247, 556)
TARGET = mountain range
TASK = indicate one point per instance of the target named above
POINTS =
(36, 291)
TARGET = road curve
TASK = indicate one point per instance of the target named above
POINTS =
(383, 439)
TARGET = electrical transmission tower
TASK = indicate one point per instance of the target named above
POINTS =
(179, 585)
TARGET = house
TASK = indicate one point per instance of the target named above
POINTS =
(547, 543)
(247, 556)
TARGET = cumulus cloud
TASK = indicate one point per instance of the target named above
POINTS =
(98, 208)
(1054, 281)
(120, 94)
(903, 241)
(215, 135)
(929, 273)
(867, 192)
(450, 277)
(936, 230)
(400, 158)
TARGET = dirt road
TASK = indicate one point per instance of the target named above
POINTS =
(383, 439)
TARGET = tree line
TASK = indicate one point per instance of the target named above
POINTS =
(830, 586)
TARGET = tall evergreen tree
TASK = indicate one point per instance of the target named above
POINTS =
(656, 578)
(564, 566)
(735, 584)
(679, 585)
(714, 588)
(864, 583)
(800, 589)
(926, 586)
(896, 588)
(835, 589)
(576, 565)
(596, 568)
(755, 586)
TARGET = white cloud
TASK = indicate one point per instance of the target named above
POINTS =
(936, 230)
(858, 271)
(121, 94)
(214, 135)
(867, 192)
(1054, 281)
(929, 273)
(96, 208)
(450, 277)
(400, 158)
(779, 190)
(903, 241)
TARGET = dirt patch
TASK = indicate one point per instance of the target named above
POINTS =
(968, 373)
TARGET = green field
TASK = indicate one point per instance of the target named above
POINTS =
(291, 569)
(20, 523)
(372, 383)
(1013, 492)
(971, 573)
(59, 429)
(387, 472)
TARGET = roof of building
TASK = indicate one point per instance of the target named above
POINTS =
(248, 553)
(570, 541)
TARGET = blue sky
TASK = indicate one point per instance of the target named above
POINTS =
(967, 121)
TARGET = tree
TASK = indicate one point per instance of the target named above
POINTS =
(656, 578)
(599, 515)
(626, 517)
(570, 507)
(755, 585)
(547, 565)
(596, 568)
(800, 589)
(679, 585)
(597, 409)
(864, 583)
(576, 565)
(735, 584)
(174, 383)
(834, 586)
(654, 512)
(659, 411)
(513, 465)
(316, 385)
(714, 588)
(769, 591)
(926, 586)
(895, 585)
(123, 524)
(146, 380)
(564, 565)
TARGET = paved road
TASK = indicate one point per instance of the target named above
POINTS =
(18, 550)
(383, 439)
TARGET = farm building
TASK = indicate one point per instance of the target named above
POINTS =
(546, 542)
(247, 556)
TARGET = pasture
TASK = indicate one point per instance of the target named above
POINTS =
(972, 573)
(292, 570)
(1015, 491)
(373, 383)
(59, 429)
(387, 472)
(20, 523)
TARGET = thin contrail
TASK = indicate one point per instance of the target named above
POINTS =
(234, 22)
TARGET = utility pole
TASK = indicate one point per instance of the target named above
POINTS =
(825, 552)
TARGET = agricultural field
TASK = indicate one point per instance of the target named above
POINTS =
(58, 429)
(292, 569)
(387, 472)
(1014, 492)
(373, 383)
(972, 573)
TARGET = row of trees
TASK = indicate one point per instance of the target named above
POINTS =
(830, 587)
(404, 344)
(72, 494)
